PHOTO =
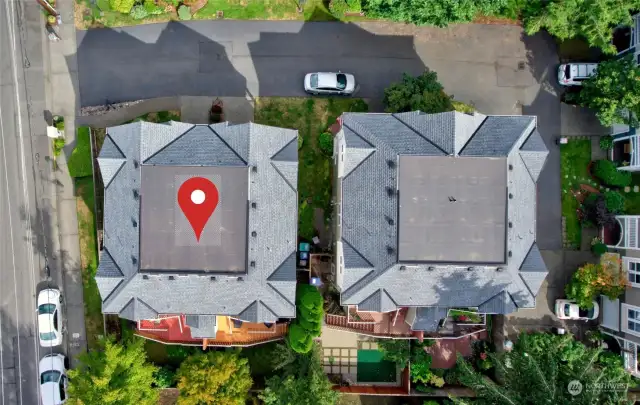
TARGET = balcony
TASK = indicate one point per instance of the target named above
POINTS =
(388, 324)
(172, 329)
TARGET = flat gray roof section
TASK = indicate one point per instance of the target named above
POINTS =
(452, 209)
(167, 240)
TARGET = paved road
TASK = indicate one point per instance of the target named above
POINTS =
(24, 204)
(496, 68)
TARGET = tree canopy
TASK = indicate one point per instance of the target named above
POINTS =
(593, 20)
(424, 93)
(613, 92)
(592, 280)
(216, 378)
(303, 381)
(540, 368)
(308, 323)
(117, 374)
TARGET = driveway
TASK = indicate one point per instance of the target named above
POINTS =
(493, 67)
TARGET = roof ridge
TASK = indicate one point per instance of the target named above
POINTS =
(419, 134)
(282, 175)
(168, 144)
(474, 134)
(229, 146)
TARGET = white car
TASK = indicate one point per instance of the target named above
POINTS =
(573, 74)
(329, 83)
(53, 379)
(568, 309)
(49, 317)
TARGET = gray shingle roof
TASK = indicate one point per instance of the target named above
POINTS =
(202, 326)
(370, 209)
(428, 318)
(109, 168)
(274, 219)
(497, 135)
(379, 301)
(501, 303)
(110, 150)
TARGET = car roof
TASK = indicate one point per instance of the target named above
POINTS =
(582, 69)
(50, 393)
(327, 80)
(51, 362)
(45, 323)
(48, 296)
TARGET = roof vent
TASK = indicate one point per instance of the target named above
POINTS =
(212, 278)
(254, 205)
(252, 264)
(510, 254)
(403, 267)
(135, 193)
(135, 163)
(390, 250)
(135, 223)
(391, 163)
(499, 269)
(254, 233)
(172, 278)
(145, 277)
(510, 224)
(254, 169)
(510, 196)
(134, 260)
(470, 268)
(240, 278)
(510, 167)
(431, 268)
(389, 219)
(390, 191)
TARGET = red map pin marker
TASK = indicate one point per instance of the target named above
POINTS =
(198, 198)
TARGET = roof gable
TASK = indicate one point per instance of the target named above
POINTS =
(534, 161)
(286, 271)
(199, 146)
(109, 168)
(534, 143)
(533, 261)
(501, 303)
(497, 135)
(155, 137)
(439, 129)
(109, 150)
(236, 136)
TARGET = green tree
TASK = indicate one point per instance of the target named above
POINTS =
(396, 350)
(115, 375)
(538, 371)
(432, 12)
(214, 378)
(613, 92)
(593, 20)
(308, 323)
(302, 383)
(424, 93)
(592, 280)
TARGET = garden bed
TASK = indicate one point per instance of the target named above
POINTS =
(574, 161)
(311, 117)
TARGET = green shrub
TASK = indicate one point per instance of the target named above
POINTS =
(438, 13)
(462, 107)
(424, 93)
(609, 174)
(58, 145)
(122, 6)
(79, 163)
(326, 143)
(599, 248)
(424, 388)
(430, 401)
(606, 142)
(179, 353)
(165, 377)
(139, 13)
(184, 13)
(614, 201)
(300, 142)
(299, 340)
(152, 8)
(60, 125)
(103, 5)
(395, 350)
(421, 367)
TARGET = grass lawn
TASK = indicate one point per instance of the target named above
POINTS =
(89, 257)
(79, 163)
(574, 160)
(96, 13)
(311, 117)
(632, 199)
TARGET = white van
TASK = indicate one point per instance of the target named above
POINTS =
(573, 74)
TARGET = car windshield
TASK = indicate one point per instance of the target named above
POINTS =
(50, 376)
(567, 310)
(567, 72)
(46, 309)
(314, 81)
(47, 336)
(342, 81)
(585, 313)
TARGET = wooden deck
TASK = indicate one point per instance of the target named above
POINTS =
(172, 329)
(389, 324)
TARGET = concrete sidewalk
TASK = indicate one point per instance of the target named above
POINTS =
(62, 83)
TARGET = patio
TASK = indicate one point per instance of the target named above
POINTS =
(443, 352)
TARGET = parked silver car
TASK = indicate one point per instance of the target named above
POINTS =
(329, 83)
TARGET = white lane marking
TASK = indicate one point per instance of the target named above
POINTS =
(9, 7)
